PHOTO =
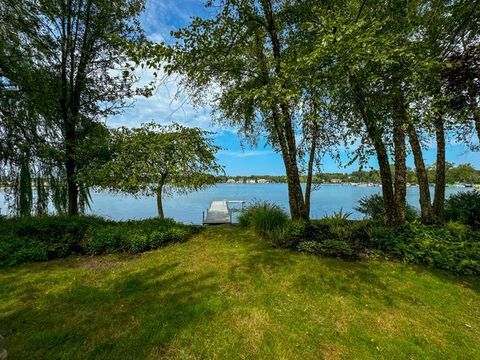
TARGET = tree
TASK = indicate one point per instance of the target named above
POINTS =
(242, 57)
(72, 61)
(158, 160)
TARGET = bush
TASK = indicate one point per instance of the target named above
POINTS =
(48, 237)
(464, 207)
(290, 234)
(15, 251)
(263, 217)
(452, 247)
(372, 207)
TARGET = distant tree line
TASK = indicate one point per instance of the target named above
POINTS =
(463, 173)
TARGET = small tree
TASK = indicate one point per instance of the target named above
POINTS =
(155, 160)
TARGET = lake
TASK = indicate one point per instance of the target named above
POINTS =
(326, 199)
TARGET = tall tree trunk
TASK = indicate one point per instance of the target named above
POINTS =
(71, 169)
(422, 176)
(283, 123)
(375, 135)
(400, 177)
(159, 202)
(439, 198)
(311, 161)
(475, 111)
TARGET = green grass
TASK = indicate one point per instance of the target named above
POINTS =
(226, 294)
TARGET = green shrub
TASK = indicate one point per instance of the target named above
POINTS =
(15, 251)
(444, 247)
(48, 237)
(329, 247)
(290, 234)
(263, 217)
(372, 207)
(106, 239)
(136, 243)
(464, 207)
(177, 234)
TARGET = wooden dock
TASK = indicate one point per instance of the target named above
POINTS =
(219, 212)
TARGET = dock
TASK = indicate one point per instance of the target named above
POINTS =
(219, 212)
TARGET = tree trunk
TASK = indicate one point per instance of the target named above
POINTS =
(422, 176)
(159, 202)
(374, 133)
(72, 187)
(283, 123)
(311, 161)
(400, 178)
(475, 112)
(439, 198)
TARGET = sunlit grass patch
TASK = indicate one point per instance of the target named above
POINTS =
(228, 294)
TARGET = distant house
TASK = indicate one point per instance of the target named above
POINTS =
(231, 181)
(262, 181)
(336, 181)
(250, 181)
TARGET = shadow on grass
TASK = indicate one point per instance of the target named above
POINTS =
(135, 314)
(358, 278)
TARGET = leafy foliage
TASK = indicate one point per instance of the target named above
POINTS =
(47, 237)
(372, 207)
(263, 217)
(155, 159)
(464, 207)
(452, 247)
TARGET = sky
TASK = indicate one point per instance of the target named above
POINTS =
(169, 105)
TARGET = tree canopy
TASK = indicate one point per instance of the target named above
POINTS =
(158, 160)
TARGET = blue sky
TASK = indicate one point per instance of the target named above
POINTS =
(170, 105)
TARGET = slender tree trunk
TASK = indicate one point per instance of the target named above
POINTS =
(422, 176)
(283, 123)
(475, 111)
(375, 135)
(159, 202)
(72, 187)
(439, 198)
(400, 177)
(311, 161)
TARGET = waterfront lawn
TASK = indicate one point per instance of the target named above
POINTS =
(226, 294)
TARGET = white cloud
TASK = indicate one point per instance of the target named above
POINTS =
(244, 154)
(168, 104)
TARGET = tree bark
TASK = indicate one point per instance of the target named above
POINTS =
(159, 202)
(422, 176)
(311, 161)
(283, 124)
(475, 111)
(439, 197)
(375, 135)
(400, 177)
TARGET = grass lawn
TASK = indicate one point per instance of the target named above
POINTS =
(226, 294)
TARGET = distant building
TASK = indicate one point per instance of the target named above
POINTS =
(231, 181)
(250, 181)
(262, 181)
(336, 181)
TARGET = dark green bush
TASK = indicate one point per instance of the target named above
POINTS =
(452, 247)
(464, 207)
(330, 236)
(372, 207)
(48, 237)
(290, 234)
(263, 217)
(15, 251)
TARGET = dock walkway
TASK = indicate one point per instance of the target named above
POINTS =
(218, 213)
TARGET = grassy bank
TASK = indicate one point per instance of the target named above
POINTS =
(227, 294)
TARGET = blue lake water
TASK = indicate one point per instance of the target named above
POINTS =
(326, 199)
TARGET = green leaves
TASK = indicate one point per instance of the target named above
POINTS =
(153, 156)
